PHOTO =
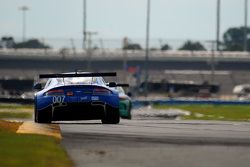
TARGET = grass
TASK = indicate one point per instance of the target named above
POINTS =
(213, 112)
(29, 150)
(15, 111)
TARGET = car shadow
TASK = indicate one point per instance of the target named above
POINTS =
(76, 123)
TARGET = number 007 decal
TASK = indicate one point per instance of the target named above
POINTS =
(58, 99)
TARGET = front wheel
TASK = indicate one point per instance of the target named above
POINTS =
(111, 116)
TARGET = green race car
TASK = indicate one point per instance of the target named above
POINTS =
(125, 104)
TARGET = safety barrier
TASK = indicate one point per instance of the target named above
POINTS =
(138, 103)
(16, 100)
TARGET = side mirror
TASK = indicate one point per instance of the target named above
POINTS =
(37, 86)
(112, 84)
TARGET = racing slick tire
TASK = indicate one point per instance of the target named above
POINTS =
(111, 116)
(43, 116)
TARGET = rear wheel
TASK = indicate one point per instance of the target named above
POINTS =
(43, 116)
(111, 116)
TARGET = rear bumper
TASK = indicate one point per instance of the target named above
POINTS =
(77, 111)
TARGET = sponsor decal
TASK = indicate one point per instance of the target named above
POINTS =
(94, 98)
(84, 98)
(58, 99)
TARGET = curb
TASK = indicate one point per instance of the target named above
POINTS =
(31, 127)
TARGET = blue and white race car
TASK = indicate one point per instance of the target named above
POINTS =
(76, 96)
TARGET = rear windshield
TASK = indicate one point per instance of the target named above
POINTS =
(79, 81)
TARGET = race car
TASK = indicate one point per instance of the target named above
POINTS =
(76, 96)
(125, 103)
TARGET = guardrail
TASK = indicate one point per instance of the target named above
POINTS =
(139, 103)
(16, 100)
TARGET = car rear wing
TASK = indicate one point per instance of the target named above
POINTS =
(122, 85)
(87, 74)
(113, 84)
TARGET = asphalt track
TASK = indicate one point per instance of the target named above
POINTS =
(151, 142)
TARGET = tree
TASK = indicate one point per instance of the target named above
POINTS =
(233, 39)
(189, 45)
(166, 47)
(7, 42)
(32, 43)
(133, 47)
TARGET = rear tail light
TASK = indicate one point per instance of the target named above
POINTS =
(101, 91)
(70, 93)
(123, 98)
(59, 92)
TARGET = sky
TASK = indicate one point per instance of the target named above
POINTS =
(116, 19)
